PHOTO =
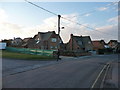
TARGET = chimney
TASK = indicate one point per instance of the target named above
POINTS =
(71, 35)
(54, 32)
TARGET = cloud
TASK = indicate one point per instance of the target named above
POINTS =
(115, 3)
(107, 32)
(114, 19)
(88, 14)
(102, 8)
(9, 30)
(3, 15)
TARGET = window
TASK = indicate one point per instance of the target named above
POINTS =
(37, 42)
(89, 42)
(51, 47)
(53, 39)
(60, 41)
(80, 42)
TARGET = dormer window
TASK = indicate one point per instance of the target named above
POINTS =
(37, 42)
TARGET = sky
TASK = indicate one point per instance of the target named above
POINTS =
(21, 19)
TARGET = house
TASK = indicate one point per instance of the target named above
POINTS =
(99, 44)
(113, 44)
(26, 43)
(45, 40)
(8, 42)
(118, 48)
(79, 43)
(16, 42)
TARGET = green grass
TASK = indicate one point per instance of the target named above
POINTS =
(14, 55)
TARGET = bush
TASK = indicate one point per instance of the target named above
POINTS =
(105, 51)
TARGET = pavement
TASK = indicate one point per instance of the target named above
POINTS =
(113, 81)
(77, 72)
(112, 76)
(115, 74)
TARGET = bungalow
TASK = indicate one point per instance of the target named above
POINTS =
(79, 43)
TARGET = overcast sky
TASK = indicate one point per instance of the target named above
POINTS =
(21, 19)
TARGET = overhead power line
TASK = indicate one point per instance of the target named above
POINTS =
(86, 26)
(41, 8)
(95, 9)
(66, 18)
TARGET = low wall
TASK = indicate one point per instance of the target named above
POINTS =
(74, 54)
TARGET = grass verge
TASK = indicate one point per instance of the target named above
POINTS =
(14, 55)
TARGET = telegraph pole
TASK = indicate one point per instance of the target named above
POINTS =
(58, 42)
(59, 16)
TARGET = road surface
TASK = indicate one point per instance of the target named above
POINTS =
(73, 73)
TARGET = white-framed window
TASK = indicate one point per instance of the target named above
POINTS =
(37, 42)
(53, 39)
(60, 41)
(89, 42)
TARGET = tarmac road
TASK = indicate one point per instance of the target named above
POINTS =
(73, 73)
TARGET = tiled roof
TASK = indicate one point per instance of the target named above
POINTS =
(97, 43)
(26, 39)
(112, 41)
(82, 39)
(45, 35)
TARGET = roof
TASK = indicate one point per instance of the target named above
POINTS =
(82, 40)
(18, 38)
(46, 35)
(97, 43)
(26, 39)
(112, 41)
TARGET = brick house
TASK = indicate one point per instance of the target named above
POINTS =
(79, 43)
(118, 48)
(113, 44)
(98, 44)
(45, 40)
(28, 43)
